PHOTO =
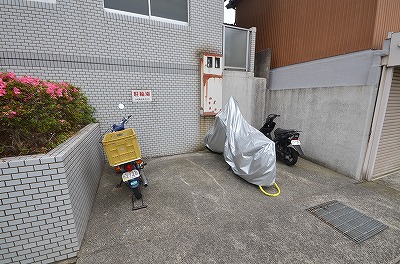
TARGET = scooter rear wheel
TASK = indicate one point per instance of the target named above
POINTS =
(137, 193)
(291, 157)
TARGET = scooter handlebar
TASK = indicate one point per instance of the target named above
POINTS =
(121, 126)
(271, 117)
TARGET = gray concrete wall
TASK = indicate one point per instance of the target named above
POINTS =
(332, 101)
(358, 68)
(262, 64)
(46, 199)
(249, 92)
(335, 122)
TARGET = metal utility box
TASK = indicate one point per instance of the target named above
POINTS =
(211, 84)
(121, 147)
(394, 54)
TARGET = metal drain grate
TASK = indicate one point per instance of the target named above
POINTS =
(348, 221)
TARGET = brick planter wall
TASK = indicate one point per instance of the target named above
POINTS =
(46, 199)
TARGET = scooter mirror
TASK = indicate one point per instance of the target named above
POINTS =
(121, 106)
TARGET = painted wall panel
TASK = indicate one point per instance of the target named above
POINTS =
(299, 31)
(387, 20)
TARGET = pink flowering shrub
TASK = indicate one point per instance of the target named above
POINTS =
(36, 115)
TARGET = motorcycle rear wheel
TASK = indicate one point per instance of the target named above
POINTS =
(137, 193)
(291, 157)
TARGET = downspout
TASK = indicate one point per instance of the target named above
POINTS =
(379, 114)
(377, 121)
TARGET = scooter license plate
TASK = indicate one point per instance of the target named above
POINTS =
(295, 142)
(130, 175)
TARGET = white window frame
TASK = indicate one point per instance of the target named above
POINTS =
(45, 1)
(150, 17)
(247, 48)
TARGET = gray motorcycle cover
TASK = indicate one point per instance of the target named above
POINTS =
(250, 154)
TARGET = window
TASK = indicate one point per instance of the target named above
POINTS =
(45, 1)
(236, 48)
(176, 10)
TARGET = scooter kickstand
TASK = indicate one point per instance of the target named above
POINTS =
(138, 207)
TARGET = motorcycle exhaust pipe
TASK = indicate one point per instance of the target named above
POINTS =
(144, 179)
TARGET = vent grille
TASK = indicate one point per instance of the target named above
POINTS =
(348, 221)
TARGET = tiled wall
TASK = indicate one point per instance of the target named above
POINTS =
(46, 199)
(108, 55)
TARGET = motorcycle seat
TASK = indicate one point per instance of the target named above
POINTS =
(280, 131)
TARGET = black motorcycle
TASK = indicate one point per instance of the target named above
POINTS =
(123, 150)
(287, 143)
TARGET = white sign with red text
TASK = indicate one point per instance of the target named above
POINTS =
(141, 96)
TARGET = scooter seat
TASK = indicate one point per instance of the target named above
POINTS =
(280, 131)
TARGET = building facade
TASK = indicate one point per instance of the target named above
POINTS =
(334, 76)
(110, 49)
(300, 31)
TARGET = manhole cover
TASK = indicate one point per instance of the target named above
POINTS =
(348, 221)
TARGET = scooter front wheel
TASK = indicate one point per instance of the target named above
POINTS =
(291, 157)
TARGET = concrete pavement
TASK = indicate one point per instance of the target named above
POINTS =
(200, 212)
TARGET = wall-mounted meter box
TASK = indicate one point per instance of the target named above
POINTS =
(211, 84)
(394, 53)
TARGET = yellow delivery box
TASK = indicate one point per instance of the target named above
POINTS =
(121, 147)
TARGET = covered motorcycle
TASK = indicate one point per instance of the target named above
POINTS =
(248, 152)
